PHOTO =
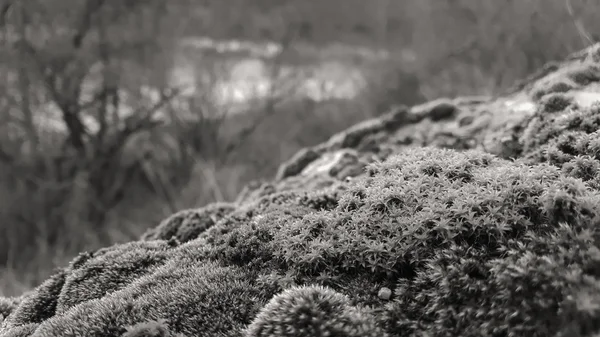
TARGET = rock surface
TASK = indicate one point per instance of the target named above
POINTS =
(475, 216)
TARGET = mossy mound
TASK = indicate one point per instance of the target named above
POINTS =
(464, 217)
(187, 224)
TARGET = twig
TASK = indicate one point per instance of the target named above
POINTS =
(583, 33)
(4, 10)
(271, 102)
(91, 7)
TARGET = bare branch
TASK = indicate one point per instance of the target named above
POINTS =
(133, 124)
(5, 157)
(583, 33)
(272, 100)
(64, 88)
(24, 84)
(107, 88)
(4, 11)
(91, 7)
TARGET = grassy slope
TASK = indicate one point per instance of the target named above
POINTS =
(466, 217)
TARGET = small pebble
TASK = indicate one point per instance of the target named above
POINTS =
(385, 293)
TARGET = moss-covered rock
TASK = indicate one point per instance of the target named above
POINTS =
(459, 217)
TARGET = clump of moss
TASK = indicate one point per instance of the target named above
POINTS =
(417, 207)
(571, 141)
(297, 163)
(187, 224)
(561, 86)
(7, 305)
(158, 328)
(555, 102)
(312, 311)
(585, 73)
(107, 271)
(585, 168)
(437, 110)
(254, 191)
(194, 298)
(567, 78)
(38, 306)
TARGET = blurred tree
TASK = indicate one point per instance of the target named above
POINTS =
(72, 67)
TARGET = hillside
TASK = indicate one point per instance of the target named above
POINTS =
(474, 216)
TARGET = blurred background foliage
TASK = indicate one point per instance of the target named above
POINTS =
(116, 113)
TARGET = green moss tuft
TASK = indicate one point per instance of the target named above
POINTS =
(187, 224)
(562, 86)
(586, 73)
(7, 306)
(158, 328)
(571, 141)
(312, 311)
(555, 102)
(571, 76)
(37, 306)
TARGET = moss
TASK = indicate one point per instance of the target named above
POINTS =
(109, 271)
(297, 163)
(561, 86)
(555, 102)
(585, 73)
(192, 298)
(437, 227)
(312, 311)
(21, 331)
(187, 224)
(571, 76)
(436, 110)
(571, 141)
(359, 135)
(39, 305)
(7, 305)
(585, 168)
(254, 191)
(467, 296)
(150, 329)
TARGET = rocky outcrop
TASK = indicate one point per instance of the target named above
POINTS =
(475, 216)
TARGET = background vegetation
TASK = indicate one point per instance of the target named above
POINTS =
(77, 175)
